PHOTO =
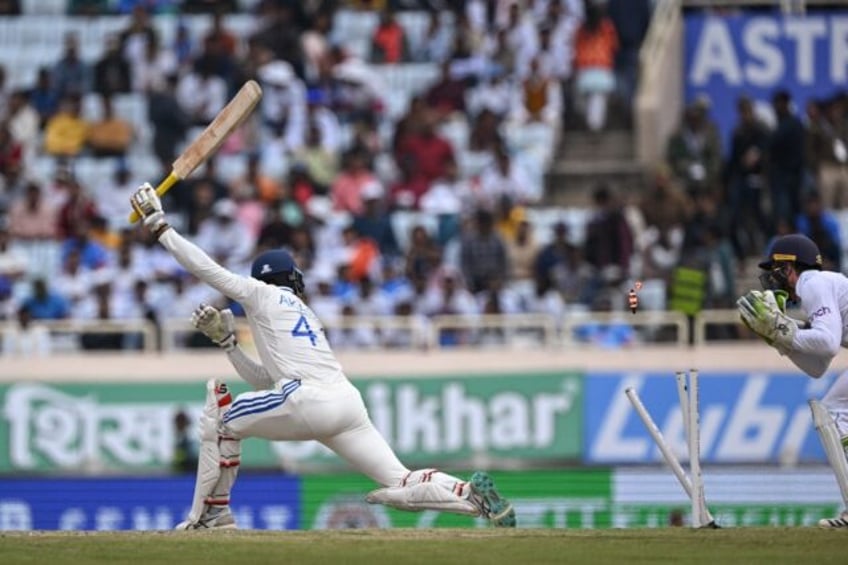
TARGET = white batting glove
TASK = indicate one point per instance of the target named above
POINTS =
(148, 206)
(217, 325)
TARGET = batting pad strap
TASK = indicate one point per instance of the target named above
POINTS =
(226, 463)
(422, 496)
(217, 501)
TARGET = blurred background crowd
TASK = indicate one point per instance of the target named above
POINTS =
(399, 152)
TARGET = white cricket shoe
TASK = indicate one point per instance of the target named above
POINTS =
(840, 521)
(216, 518)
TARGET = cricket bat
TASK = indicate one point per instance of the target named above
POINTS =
(227, 120)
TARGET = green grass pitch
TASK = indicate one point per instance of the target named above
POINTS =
(402, 546)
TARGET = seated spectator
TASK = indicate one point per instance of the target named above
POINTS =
(93, 255)
(104, 305)
(45, 304)
(545, 298)
(423, 257)
(110, 136)
(522, 251)
(315, 45)
(506, 178)
(321, 164)
(223, 237)
(114, 193)
(66, 132)
(595, 47)
(202, 93)
(394, 286)
(435, 44)
(483, 254)
(447, 96)
(493, 94)
(448, 296)
(112, 72)
(26, 339)
(11, 157)
(498, 299)
(374, 223)
(501, 54)
(71, 76)
(427, 152)
(78, 210)
(257, 183)
(13, 266)
(24, 124)
(445, 200)
(346, 191)
(358, 92)
(388, 44)
(31, 216)
(74, 281)
(151, 69)
(360, 258)
(538, 97)
(410, 122)
(408, 189)
(485, 133)
(283, 106)
(169, 121)
(42, 97)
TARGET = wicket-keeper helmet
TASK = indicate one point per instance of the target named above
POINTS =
(277, 267)
(796, 249)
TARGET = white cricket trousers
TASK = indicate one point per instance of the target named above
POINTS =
(333, 414)
(836, 402)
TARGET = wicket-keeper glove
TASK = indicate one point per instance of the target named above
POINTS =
(762, 312)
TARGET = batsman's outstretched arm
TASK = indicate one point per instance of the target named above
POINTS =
(252, 372)
(147, 204)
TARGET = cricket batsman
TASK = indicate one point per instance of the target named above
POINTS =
(792, 271)
(301, 392)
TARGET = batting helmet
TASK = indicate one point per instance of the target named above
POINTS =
(796, 248)
(277, 267)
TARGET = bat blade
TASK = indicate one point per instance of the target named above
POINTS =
(207, 143)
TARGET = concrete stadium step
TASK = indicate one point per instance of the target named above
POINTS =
(570, 183)
(584, 146)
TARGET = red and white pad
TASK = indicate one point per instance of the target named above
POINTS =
(219, 457)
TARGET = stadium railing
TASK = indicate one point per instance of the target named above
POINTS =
(73, 330)
(539, 331)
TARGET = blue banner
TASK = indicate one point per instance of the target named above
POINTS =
(262, 502)
(745, 418)
(755, 55)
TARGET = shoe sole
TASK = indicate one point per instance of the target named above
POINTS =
(501, 513)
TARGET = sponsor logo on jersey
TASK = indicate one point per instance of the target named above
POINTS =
(823, 311)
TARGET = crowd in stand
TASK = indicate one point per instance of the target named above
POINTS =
(381, 212)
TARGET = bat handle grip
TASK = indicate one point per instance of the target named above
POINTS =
(163, 187)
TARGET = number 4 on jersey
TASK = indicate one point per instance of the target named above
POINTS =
(302, 329)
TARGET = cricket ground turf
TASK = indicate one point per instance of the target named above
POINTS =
(400, 546)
